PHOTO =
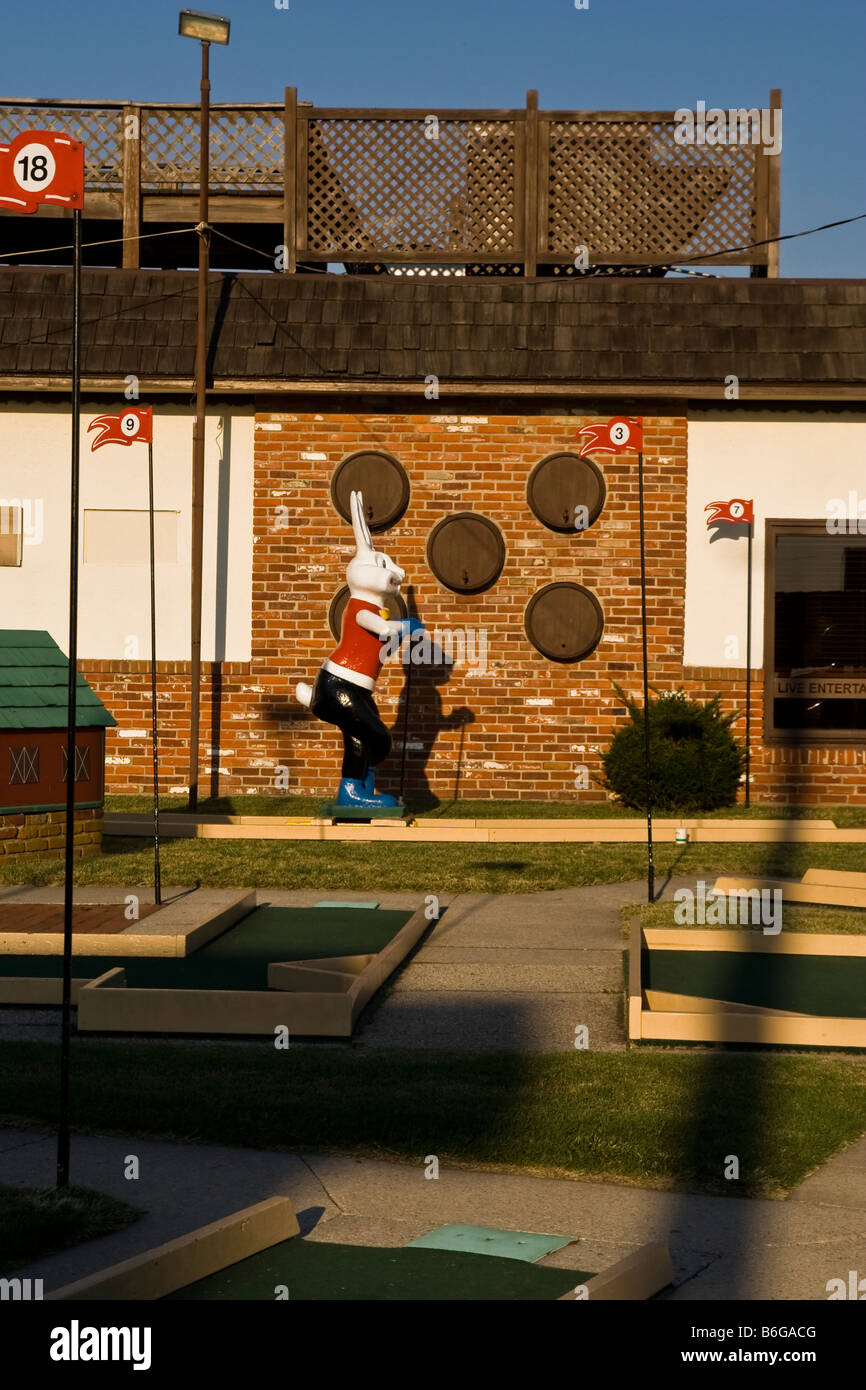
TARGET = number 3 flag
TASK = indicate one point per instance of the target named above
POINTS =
(614, 437)
(131, 427)
(41, 166)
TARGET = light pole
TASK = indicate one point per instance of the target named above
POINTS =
(208, 29)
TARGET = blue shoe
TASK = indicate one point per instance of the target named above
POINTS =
(370, 782)
(353, 792)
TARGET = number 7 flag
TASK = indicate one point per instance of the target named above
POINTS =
(615, 437)
(130, 427)
(738, 509)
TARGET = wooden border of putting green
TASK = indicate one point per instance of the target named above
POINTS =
(312, 998)
(817, 888)
(36, 990)
(187, 1259)
(640, 1275)
(656, 1016)
(210, 1249)
(438, 830)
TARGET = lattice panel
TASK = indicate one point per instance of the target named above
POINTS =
(246, 150)
(626, 188)
(100, 130)
(380, 186)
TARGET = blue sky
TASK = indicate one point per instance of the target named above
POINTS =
(617, 54)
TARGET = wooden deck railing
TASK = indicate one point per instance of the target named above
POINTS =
(510, 191)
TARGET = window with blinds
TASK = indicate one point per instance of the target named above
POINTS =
(815, 633)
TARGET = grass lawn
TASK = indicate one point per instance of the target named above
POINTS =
(665, 1119)
(37, 1221)
(482, 810)
(436, 868)
(796, 917)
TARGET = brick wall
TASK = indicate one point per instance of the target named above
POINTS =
(523, 727)
(807, 775)
(43, 833)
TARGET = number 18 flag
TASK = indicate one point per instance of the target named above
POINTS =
(41, 166)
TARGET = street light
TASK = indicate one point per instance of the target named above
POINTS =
(208, 29)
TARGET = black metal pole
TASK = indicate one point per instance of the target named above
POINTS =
(406, 718)
(749, 662)
(157, 886)
(71, 713)
(650, 873)
(198, 430)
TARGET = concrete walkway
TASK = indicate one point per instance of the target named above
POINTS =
(516, 972)
(723, 1248)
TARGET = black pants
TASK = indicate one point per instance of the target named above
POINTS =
(366, 741)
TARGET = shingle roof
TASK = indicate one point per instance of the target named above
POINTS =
(598, 330)
(33, 685)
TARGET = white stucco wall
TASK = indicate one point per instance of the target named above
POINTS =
(114, 599)
(793, 465)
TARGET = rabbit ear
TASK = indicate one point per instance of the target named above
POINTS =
(363, 539)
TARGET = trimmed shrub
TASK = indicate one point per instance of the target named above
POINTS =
(695, 761)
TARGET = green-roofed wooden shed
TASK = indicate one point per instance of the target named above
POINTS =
(34, 676)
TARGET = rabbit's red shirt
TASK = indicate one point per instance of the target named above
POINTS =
(358, 658)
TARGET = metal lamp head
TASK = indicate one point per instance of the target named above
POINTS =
(210, 28)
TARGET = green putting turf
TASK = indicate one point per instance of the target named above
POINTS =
(826, 986)
(318, 1271)
(239, 958)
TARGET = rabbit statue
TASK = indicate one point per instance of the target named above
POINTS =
(343, 691)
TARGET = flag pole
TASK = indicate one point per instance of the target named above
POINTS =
(157, 886)
(749, 658)
(650, 880)
(63, 1144)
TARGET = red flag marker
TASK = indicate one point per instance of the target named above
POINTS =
(132, 427)
(41, 166)
(614, 437)
(738, 509)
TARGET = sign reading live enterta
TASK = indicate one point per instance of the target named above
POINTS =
(41, 166)
(851, 687)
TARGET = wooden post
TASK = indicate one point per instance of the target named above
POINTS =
(290, 175)
(774, 172)
(302, 130)
(758, 270)
(530, 187)
(131, 136)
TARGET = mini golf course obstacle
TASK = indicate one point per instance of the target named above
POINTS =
(257, 1253)
(31, 933)
(797, 989)
(311, 970)
(400, 829)
(818, 887)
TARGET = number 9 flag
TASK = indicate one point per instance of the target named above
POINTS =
(130, 427)
(617, 436)
(41, 166)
